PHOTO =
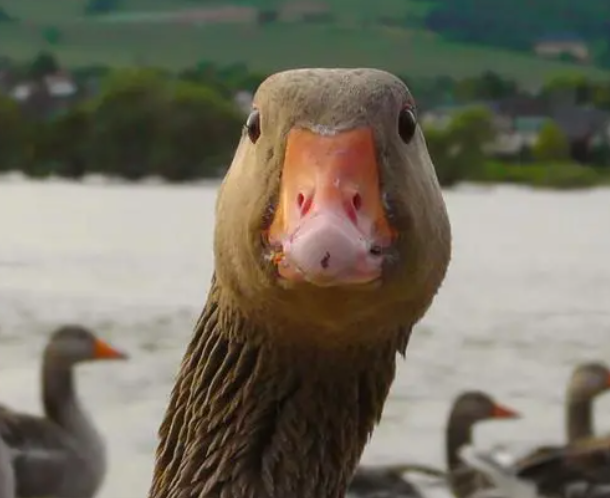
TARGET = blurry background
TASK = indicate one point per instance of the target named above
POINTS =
(117, 117)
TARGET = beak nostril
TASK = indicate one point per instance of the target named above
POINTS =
(304, 203)
(357, 201)
(375, 251)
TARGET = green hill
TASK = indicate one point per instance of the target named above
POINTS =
(267, 35)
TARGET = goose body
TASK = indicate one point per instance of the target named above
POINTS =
(331, 241)
(376, 482)
(559, 474)
(7, 477)
(60, 454)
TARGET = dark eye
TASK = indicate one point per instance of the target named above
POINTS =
(407, 123)
(253, 125)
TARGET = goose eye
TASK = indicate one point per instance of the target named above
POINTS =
(407, 123)
(253, 125)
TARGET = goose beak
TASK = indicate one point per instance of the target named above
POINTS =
(330, 226)
(500, 411)
(104, 351)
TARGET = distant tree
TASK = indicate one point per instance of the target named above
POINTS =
(488, 86)
(518, 24)
(569, 58)
(43, 64)
(96, 7)
(128, 121)
(601, 95)
(52, 35)
(144, 122)
(603, 57)
(65, 141)
(5, 17)
(472, 130)
(14, 134)
(551, 144)
(576, 89)
(458, 151)
(267, 16)
(202, 129)
(325, 18)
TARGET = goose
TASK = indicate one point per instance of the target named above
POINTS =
(331, 241)
(60, 454)
(468, 409)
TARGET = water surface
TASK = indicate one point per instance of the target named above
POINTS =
(526, 298)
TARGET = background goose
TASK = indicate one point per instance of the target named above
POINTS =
(60, 455)
(467, 410)
(331, 241)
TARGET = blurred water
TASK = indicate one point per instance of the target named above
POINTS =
(527, 297)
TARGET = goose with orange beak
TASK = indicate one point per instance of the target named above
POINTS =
(60, 455)
(331, 241)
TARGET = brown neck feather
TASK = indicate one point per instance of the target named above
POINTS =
(251, 419)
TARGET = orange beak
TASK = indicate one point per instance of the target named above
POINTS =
(500, 411)
(330, 226)
(103, 351)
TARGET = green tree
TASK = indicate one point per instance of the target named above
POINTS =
(5, 17)
(458, 151)
(576, 89)
(601, 95)
(145, 122)
(52, 35)
(488, 86)
(551, 144)
(14, 135)
(202, 131)
(128, 119)
(96, 7)
(43, 64)
(64, 143)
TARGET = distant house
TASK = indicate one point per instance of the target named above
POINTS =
(60, 84)
(585, 128)
(560, 44)
(440, 117)
(519, 138)
(517, 123)
(22, 91)
(522, 118)
(54, 93)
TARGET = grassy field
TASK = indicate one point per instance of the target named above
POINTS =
(149, 40)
